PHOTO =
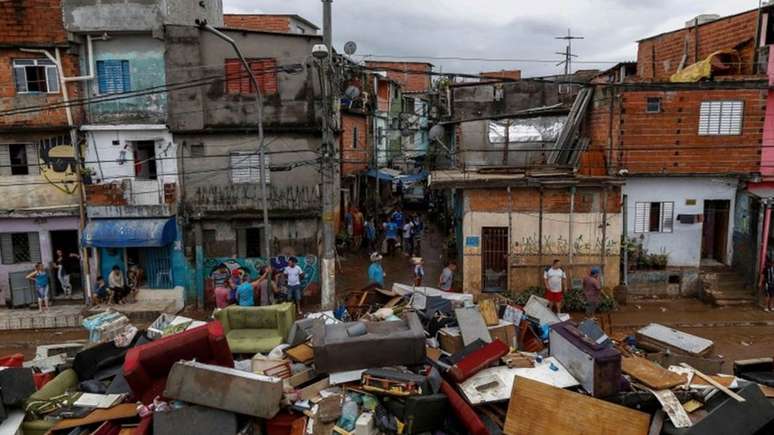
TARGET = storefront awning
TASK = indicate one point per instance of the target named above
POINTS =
(129, 233)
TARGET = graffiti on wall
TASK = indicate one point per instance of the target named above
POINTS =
(310, 264)
(236, 196)
(57, 164)
(561, 246)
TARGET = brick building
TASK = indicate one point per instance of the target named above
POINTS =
(411, 76)
(40, 190)
(687, 148)
(513, 74)
(284, 23)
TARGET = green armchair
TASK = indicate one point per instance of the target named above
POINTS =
(256, 329)
(67, 380)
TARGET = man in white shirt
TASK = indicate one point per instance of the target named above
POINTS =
(555, 281)
(408, 229)
(294, 276)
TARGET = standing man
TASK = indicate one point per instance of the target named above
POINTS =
(358, 223)
(419, 271)
(408, 235)
(592, 289)
(390, 235)
(65, 266)
(768, 285)
(220, 279)
(294, 275)
(375, 272)
(446, 280)
(244, 293)
(266, 288)
(555, 281)
(370, 235)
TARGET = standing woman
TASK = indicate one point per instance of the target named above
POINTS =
(40, 277)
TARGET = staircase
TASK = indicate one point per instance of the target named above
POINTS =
(722, 286)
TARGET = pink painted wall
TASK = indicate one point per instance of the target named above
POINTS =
(767, 150)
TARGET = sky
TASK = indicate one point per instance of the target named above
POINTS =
(515, 32)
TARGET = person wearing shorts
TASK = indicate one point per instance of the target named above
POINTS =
(294, 276)
(40, 277)
(555, 281)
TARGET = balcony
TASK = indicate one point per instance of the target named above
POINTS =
(131, 198)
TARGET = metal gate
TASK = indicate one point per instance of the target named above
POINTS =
(157, 266)
(494, 259)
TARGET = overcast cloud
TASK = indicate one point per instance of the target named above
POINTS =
(502, 29)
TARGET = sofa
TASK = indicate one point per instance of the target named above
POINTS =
(361, 345)
(256, 329)
(146, 366)
(64, 381)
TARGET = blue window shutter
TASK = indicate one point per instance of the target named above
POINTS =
(113, 76)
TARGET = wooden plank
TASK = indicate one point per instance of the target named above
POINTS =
(665, 337)
(657, 423)
(124, 410)
(673, 408)
(715, 384)
(536, 408)
(650, 373)
(489, 312)
(767, 391)
(303, 353)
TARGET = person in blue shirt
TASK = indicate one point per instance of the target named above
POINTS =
(375, 271)
(397, 217)
(370, 233)
(390, 235)
(40, 277)
(244, 293)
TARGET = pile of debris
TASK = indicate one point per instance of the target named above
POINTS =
(408, 360)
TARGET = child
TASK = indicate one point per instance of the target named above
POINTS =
(101, 291)
(40, 277)
(419, 271)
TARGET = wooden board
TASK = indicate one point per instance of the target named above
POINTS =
(537, 408)
(124, 410)
(650, 373)
(489, 312)
(673, 408)
(472, 325)
(767, 391)
(663, 337)
(303, 353)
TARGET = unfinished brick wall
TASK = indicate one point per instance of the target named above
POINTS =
(261, 22)
(527, 199)
(668, 142)
(659, 57)
(36, 22)
(412, 76)
(355, 155)
(514, 74)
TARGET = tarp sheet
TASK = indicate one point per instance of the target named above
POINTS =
(129, 233)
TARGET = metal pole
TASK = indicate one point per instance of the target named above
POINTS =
(261, 151)
(626, 240)
(604, 234)
(328, 262)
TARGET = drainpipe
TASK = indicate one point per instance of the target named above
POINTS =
(57, 59)
(765, 241)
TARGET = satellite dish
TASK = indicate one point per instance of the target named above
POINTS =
(350, 48)
(436, 132)
(352, 92)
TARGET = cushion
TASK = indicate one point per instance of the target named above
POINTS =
(253, 340)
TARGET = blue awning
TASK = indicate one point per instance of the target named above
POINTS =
(129, 233)
(413, 178)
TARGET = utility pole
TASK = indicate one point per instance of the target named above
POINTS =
(261, 150)
(567, 53)
(328, 148)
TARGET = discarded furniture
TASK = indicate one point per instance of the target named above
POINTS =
(651, 374)
(537, 408)
(146, 367)
(194, 420)
(394, 383)
(65, 381)
(667, 358)
(760, 370)
(420, 414)
(596, 366)
(225, 388)
(450, 340)
(478, 360)
(256, 329)
(16, 385)
(657, 337)
(339, 347)
(472, 325)
(495, 384)
(463, 411)
(103, 360)
(724, 415)
(537, 309)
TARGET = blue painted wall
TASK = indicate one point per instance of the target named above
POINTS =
(145, 55)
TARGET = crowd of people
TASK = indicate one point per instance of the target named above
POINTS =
(267, 287)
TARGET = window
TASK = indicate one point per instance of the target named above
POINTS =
(721, 118)
(113, 76)
(653, 217)
(653, 105)
(35, 76)
(246, 167)
(145, 159)
(18, 159)
(19, 248)
(238, 81)
(354, 137)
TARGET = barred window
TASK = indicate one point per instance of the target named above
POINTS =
(19, 248)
